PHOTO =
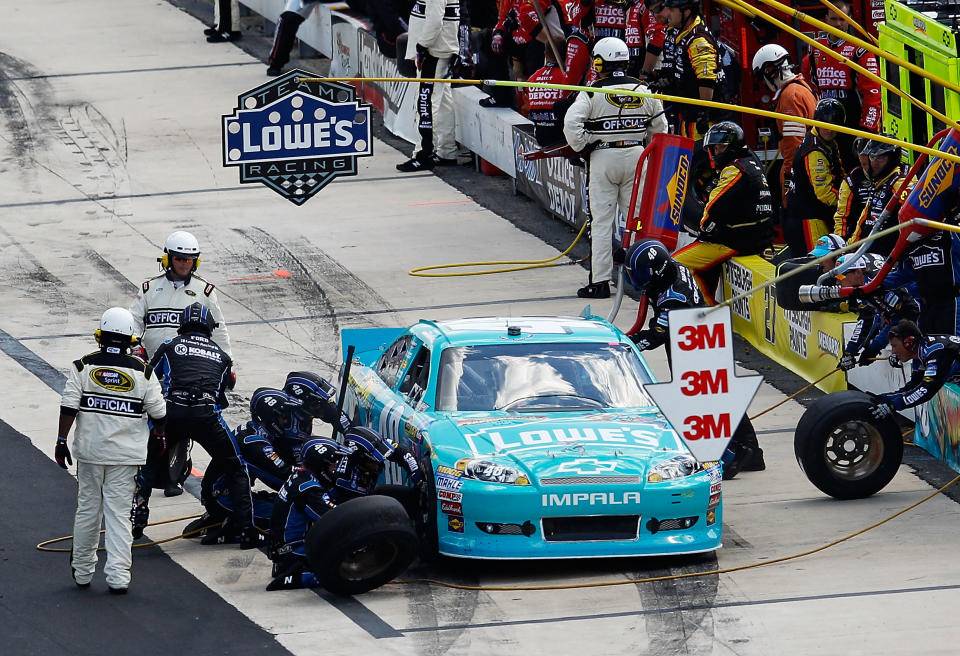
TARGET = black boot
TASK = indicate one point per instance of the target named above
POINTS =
(595, 290)
(140, 517)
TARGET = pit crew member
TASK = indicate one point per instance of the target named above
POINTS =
(738, 216)
(886, 176)
(195, 375)
(670, 286)
(811, 201)
(876, 312)
(330, 474)
(935, 361)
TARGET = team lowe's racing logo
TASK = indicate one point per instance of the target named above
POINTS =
(296, 136)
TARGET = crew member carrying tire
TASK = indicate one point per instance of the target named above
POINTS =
(330, 475)
(671, 286)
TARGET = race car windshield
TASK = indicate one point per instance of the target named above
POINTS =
(541, 377)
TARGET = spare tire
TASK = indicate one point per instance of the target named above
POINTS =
(843, 450)
(361, 544)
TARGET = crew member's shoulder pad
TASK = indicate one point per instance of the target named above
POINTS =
(208, 286)
(146, 283)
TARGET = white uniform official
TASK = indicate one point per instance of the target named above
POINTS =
(618, 127)
(160, 302)
(110, 394)
(434, 26)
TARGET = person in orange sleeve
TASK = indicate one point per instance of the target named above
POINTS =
(697, 67)
(792, 95)
(815, 185)
(738, 217)
(860, 96)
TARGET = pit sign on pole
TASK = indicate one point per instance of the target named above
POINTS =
(705, 400)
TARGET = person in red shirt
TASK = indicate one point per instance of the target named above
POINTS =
(860, 96)
(547, 126)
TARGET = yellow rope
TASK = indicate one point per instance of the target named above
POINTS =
(530, 264)
(43, 545)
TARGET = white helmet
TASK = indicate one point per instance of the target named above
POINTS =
(609, 54)
(183, 244)
(116, 323)
(772, 63)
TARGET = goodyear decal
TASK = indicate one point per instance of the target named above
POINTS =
(111, 379)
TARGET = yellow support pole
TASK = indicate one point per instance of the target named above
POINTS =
(663, 97)
(849, 21)
(747, 10)
(799, 15)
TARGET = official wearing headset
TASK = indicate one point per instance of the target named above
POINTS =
(161, 299)
(109, 393)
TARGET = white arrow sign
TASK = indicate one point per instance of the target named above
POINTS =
(705, 400)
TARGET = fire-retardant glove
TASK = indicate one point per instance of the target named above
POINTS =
(62, 453)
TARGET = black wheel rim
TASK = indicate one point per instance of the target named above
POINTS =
(853, 450)
(368, 561)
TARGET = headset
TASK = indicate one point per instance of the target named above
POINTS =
(98, 334)
(164, 261)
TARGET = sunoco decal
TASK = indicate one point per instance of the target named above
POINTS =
(111, 379)
(295, 136)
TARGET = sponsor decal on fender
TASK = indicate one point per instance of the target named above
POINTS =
(447, 495)
(451, 508)
(455, 523)
(448, 483)
(449, 471)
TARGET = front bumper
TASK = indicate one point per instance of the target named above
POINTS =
(516, 522)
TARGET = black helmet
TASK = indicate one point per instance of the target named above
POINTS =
(859, 144)
(370, 449)
(728, 133)
(880, 148)
(648, 264)
(830, 110)
(314, 392)
(197, 318)
(874, 147)
(321, 458)
(273, 410)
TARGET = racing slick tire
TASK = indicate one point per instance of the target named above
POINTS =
(843, 450)
(361, 544)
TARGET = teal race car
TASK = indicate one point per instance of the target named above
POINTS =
(536, 438)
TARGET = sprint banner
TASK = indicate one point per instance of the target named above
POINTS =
(807, 343)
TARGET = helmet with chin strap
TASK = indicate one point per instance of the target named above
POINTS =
(180, 244)
(772, 63)
(726, 133)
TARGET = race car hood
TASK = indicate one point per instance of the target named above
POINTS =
(556, 444)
